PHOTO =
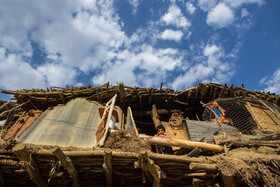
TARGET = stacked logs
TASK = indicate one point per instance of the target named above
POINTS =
(137, 98)
(60, 167)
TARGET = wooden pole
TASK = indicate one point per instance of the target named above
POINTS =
(107, 165)
(29, 164)
(203, 166)
(155, 116)
(2, 177)
(185, 144)
(68, 165)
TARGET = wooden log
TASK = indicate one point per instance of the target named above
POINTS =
(185, 144)
(68, 165)
(10, 162)
(2, 178)
(223, 91)
(152, 168)
(29, 164)
(4, 105)
(215, 93)
(155, 116)
(107, 165)
(203, 166)
(121, 94)
(61, 95)
(191, 175)
(126, 155)
(159, 111)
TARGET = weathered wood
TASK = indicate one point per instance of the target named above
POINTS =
(61, 95)
(255, 117)
(2, 178)
(132, 121)
(68, 165)
(121, 94)
(7, 111)
(185, 144)
(155, 116)
(107, 165)
(159, 111)
(203, 174)
(152, 168)
(29, 164)
(228, 180)
(202, 166)
(271, 110)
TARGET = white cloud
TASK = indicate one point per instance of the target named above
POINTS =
(169, 34)
(57, 75)
(238, 3)
(207, 5)
(190, 7)
(212, 66)
(17, 74)
(244, 13)
(272, 83)
(175, 17)
(220, 16)
(147, 67)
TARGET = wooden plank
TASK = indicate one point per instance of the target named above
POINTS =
(228, 180)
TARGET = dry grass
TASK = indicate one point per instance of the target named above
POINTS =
(127, 141)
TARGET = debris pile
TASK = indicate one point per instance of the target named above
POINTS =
(220, 136)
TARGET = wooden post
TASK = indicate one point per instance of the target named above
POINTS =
(121, 92)
(68, 165)
(2, 178)
(155, 116)
(29, 164)
(152, 168)
(61, 95)
(107, 165)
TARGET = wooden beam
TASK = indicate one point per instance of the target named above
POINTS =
(203, 166)
(61, 95)
(155, 116)
(185, 144)
(29, 164)
(107, 165)
(150, 167)
(68, 165)
(121, 93)
(2, 177)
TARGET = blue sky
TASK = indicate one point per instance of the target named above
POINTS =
(139, 42)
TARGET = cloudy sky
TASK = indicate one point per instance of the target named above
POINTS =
(139, 42)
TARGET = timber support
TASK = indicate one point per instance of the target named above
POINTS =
(29, 164)
(68, 165)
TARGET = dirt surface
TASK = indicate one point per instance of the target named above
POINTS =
(126, 141)
(255, 166)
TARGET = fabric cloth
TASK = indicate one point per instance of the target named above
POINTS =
(161, 149)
